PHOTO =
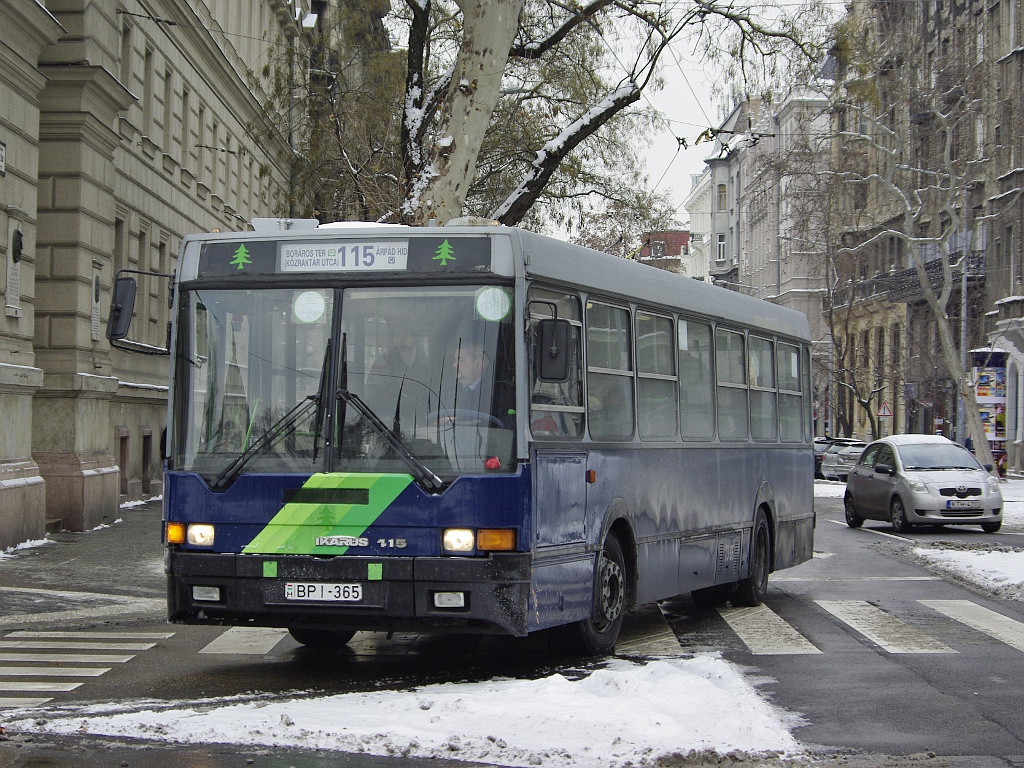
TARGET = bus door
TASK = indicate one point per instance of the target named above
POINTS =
(561, 498)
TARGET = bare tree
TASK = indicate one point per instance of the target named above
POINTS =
(503, 104)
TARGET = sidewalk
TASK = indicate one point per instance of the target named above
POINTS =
(114, 571)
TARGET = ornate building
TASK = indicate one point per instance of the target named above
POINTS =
(126, 126)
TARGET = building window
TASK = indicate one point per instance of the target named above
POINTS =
(723, 197)
(720, 255)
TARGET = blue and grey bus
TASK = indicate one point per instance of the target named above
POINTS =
(470, 429)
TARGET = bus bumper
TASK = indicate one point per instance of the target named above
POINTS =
(398, 594)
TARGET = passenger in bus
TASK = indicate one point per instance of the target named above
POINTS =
(402, 369)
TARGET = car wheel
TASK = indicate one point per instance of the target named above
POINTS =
(853, 519)
(751, 590)
(321, 639)
(992, 527)
(898, 515)
(597, 635)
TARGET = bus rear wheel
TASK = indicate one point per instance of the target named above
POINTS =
(321, 639)
(597, 635)
(751, 590)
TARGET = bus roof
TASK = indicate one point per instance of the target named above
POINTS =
(547, 258)
(603, 273)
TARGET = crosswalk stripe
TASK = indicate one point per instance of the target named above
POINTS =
(7, 685)
(92, 635)
(252, 641)
(993, 624)
(14, 701)
(765, 633)
(68, 658)
(41, 645)
(886, 631)
(54, 671)
(648, 634)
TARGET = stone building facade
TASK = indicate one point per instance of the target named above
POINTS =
(126, 125)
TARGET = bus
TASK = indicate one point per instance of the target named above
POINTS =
(469, 429)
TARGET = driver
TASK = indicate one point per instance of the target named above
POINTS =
(477, 393)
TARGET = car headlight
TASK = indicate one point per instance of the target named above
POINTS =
(917, 485)
(993, 482)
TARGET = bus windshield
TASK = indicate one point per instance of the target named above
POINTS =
(275, 381)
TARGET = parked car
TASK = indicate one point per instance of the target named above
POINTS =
(822, 444)
(913, 480)
(840, 458)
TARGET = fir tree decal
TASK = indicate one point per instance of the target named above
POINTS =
(445, 252)
(241, 257)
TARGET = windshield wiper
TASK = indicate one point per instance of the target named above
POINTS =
(274, 434)
(420, 471)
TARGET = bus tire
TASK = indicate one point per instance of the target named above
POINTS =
(321, 639)
(751, 590)
(596, 636)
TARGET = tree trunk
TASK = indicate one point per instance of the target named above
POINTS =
(489, 29)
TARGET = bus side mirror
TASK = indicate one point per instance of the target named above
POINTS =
(553, 350)
(121, 307)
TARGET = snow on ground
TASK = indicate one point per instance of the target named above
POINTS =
(625, 713)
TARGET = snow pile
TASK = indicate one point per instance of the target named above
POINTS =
(624, 713)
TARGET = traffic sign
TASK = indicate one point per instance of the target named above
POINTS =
(884, 412)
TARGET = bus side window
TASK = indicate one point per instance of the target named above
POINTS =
(695, 400)
(790, 400)
(762, 389)
(731, 371)
(656, 377)
(609, 371)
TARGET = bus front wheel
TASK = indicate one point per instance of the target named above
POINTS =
(597, 635)
(751, 590)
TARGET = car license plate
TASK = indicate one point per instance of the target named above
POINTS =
(963, 504)
(323, 592)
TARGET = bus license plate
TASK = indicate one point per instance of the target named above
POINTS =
(963, 504)
(323, 592)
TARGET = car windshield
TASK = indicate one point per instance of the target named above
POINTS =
(925, 456)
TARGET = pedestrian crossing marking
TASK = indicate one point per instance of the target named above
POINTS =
(56, 645)
(765, 633)
(995, 625)
(881, 628)
(648, 634)
(68, 658)
(8, 685)
(54, 671)
(34, 647)
(92, 635)
(248, 641)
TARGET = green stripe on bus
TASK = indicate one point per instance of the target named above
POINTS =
(296, 527)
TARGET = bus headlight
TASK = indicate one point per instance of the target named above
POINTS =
(200, 535)
(458, 540)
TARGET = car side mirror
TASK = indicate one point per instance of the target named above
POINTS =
(988, 467)
(885, 469)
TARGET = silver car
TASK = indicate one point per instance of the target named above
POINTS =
(839, 459)
(913, 480)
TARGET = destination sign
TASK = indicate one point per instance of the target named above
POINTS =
(340, 257)
(345, 257)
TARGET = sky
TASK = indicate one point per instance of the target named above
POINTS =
(689, 108)
(623, 712)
